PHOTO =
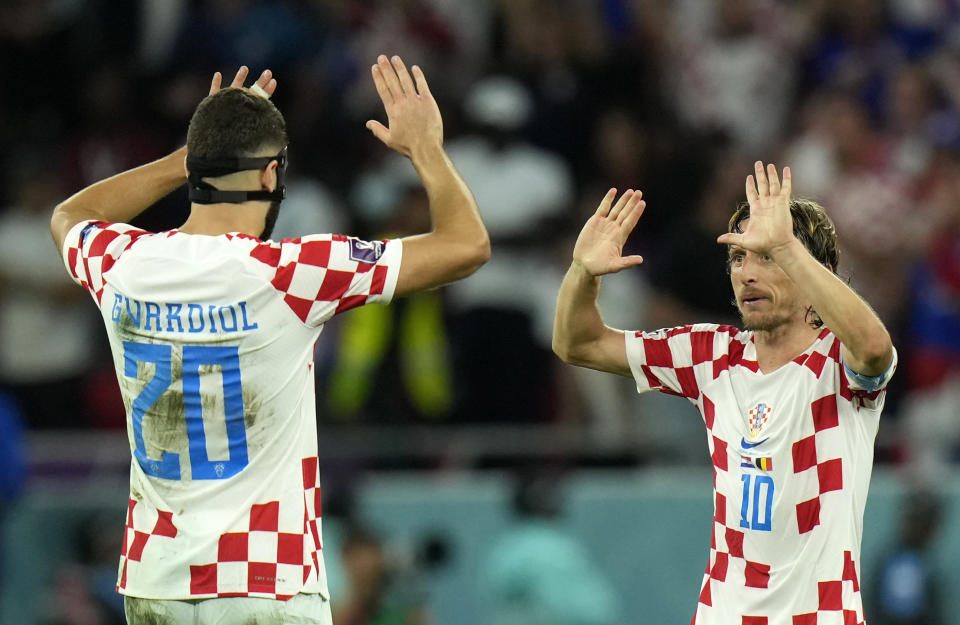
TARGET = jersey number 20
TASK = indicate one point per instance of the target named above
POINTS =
(194, 357)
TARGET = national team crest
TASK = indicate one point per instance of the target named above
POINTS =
(757, 417)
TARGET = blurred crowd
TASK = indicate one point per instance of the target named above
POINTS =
(547, 103)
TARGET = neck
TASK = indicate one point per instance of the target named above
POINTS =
(780, 345)
(215, 219)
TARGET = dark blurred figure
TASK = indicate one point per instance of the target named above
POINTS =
(84, 591)
(13, 466)
(907, 591)
(46, 327)
(537, 572)
(500, 318)
(392, 363)
(377, 592)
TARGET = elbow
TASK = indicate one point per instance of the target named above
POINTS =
(563, 353)
(877, 354)
(880, 359)
(475, 256)
(566, 351)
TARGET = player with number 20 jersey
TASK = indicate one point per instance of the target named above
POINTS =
(217, 378)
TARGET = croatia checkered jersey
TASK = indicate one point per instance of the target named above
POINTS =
(212, 340)
(792, 453)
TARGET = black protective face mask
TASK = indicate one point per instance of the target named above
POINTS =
(201, 192)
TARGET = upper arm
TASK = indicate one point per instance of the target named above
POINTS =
(876, 365)
(608, 352)
(865, 377)
(432, 260)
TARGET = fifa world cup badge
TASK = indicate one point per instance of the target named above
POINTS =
(757, 417)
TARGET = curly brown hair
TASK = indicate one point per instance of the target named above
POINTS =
(234, 123)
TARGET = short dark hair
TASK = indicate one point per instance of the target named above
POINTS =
(235, 123)
(811, 225)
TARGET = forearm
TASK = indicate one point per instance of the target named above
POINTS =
(577, 322)
(454, 215)
(864, 337)
(122, 197)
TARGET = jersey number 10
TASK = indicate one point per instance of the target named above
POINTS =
(760, 494)
(194, 357)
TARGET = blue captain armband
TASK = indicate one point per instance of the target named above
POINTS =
(867, 382)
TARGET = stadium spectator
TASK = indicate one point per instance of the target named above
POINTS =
(378, 591)
(500, 363)
(791, 403)
(908, 589)
(537, 572)
(47, 345)
(212, 328)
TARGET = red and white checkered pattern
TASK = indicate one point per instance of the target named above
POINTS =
(819, 438)
(837, 600)
(256, 532)
(135, 541)
(93, 249)
(317, 276)
(259, 558)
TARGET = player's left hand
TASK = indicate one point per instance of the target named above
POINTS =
(770, 225)
(266, 82)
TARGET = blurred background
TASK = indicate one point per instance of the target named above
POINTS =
(469, 477)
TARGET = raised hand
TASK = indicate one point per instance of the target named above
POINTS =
(266, 83)
(770, 226)
(599, 248)
(413, 119)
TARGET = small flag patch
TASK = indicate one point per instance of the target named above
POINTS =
(764, 464)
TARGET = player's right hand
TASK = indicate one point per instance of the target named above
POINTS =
(599, 247)
(413, 118)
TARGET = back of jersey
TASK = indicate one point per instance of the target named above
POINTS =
(212, 339)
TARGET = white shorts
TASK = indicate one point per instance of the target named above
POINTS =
(302, 609)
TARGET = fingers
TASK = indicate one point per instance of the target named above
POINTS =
(752, 195)
(379, 131)
(731, 238)
(241, 76)
(621, 203)
(787, 187)
(630, 217)
(266, 84)
(633, 205)
(389, 76)
(215, 83)
(403, 75)
(606, 202)
(763, 187)
(625, 262)
(422, 88)
(774, 179)
(381, 84)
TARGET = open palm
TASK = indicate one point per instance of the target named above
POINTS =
(599, 248)
(770, 225)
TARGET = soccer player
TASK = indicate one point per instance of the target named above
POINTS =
(791, 403)
(212, 328)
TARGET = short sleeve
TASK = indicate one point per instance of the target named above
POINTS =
(671, 360)
(867, 390)
(322, 275)
(91, 248)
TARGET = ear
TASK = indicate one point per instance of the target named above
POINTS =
(186, 171)
(268, 176)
